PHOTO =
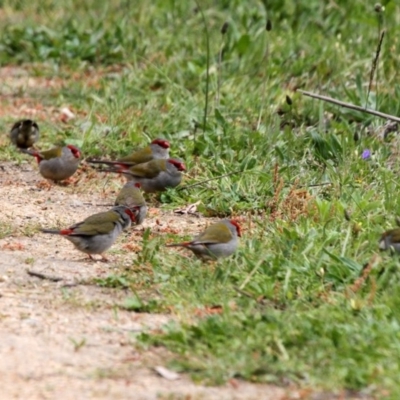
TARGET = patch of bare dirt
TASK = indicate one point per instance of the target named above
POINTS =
(23, 88)
(74, 342)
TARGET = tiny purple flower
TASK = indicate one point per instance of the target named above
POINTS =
(366, 154)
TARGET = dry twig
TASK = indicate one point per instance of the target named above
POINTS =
(349, 105)
(44, 276)
(355, 287)
(374, 65)
(208, 180)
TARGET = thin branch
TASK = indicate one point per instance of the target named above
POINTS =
(98, 205)
(208, 180)
(52, 278)
(244, 293)
(349, 105)
(265, 76)
(374, 65)
(224, 29)
(314, 185)
(236, 172)
(219, 67)
(207, 71)
(44, 276)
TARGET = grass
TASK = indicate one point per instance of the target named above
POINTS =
(290, 305)
(6, 229)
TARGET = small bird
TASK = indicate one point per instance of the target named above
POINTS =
(58, 163)
(24, 133)
(97, 233)
(130, 196)
(390, 238)
(157, 149)
(217, 241)
(154, 176)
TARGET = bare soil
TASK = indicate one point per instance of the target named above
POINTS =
(73, 342)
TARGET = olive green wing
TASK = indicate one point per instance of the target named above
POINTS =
(52, 153)
(139, 157)
(148, 170)
(217, 233)
(98, 224)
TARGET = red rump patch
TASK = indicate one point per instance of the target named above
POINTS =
(138, 185)
(37, 156)
(66, 232)
(122, 166)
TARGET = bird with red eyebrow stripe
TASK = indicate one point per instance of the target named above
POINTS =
(58, 163)
(97, 233)
(217, 241)
(157, 149)
(131, 196)
(153, 176)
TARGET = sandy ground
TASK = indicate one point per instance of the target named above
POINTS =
(73, 342)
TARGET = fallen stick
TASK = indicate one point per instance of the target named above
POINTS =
(208, 180)
(349, 105)
(52, 278)
(43, 276)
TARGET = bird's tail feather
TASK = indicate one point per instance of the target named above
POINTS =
(109, 162)
(53, 231)
(117, 171)
(58, 231)
(30, 152)
(183, 244)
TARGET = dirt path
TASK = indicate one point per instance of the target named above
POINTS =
(73, 342)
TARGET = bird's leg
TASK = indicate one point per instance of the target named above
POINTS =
(104, 258)
(44, 184)
(66, 182)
